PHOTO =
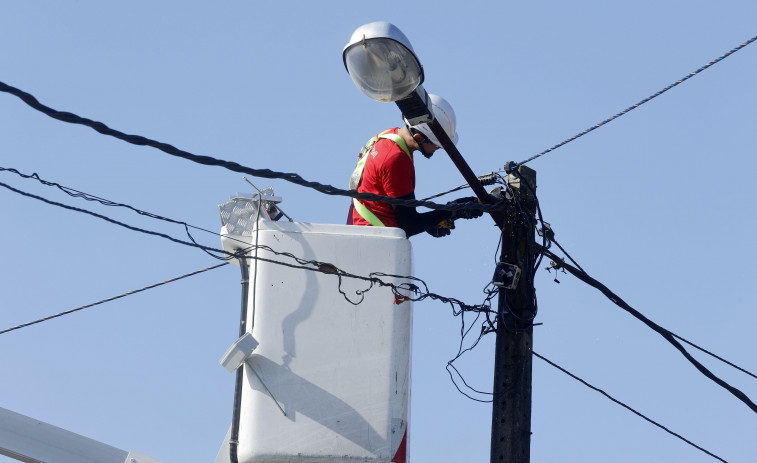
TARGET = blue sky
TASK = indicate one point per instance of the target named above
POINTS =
(658, 205)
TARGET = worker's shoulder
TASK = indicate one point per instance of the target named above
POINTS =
(388, 152)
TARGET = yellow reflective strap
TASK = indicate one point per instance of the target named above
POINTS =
(365, 213)
(398, 140)
(357, 174)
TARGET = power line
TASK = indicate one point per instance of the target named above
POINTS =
(233, 166)
(715, 356)
(307, 265)
(115, 222)
(558, 263)
(74, 193)
(610, 119)
(106, 202)
(485, 307)
(24, 325)
(420, 290)
(627, 407)
(630, 108)
(550, 236)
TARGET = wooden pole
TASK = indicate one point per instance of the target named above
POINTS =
(511, 405)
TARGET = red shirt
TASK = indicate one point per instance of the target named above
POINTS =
(389, 171)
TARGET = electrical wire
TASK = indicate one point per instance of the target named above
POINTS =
(67, 312)
(551, 237)
(627, 407)
(630, 108)
(485, 307)
(400, 291)
(482, 308)
(485, 179)
(233, 166)
(558, 263)
(327, 189)
(116, 222)
(106, 202)
(464, 332)
(715, 356)
(608, 120)
(505, 311)
(372, 279)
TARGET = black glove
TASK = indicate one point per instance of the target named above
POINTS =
(444, 228)
(465, 213)
(438, 232)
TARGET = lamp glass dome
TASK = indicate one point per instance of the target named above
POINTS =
(382, 68)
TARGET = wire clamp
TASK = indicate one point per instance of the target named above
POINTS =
(511, 166)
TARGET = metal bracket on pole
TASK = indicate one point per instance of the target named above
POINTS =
(416, 107)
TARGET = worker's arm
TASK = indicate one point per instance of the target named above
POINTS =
(414, 222)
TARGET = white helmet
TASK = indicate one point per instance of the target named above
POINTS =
(444, 114)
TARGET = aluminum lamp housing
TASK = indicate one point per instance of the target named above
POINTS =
(381, 62)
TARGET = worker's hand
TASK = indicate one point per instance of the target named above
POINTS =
(466, 213)
(443, 229)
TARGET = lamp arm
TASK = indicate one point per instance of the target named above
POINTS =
(465, 169)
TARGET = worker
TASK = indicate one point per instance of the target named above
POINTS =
(385, 167)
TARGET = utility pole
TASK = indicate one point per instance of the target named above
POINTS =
(511, 404)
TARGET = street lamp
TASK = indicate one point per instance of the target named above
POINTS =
(381, 62)
(383, 65)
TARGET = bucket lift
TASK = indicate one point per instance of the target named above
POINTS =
(325, 367)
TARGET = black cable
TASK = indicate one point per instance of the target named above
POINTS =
(115, 222)
(560, 264)
(373, 278)
(715, 356)
(106, 202)
(24, 325)
(485, 179)
(89, 197)
(550, 236)
(233, 166)
(450, 366)
(606, 121)
(420, 292)
(322, 267)
(627, 407)
(630, 108)
(552, 239)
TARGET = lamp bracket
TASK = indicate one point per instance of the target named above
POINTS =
(416, 107)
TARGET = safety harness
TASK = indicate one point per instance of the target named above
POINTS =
(357, 175)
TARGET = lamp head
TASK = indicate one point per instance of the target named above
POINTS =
(381, 62)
